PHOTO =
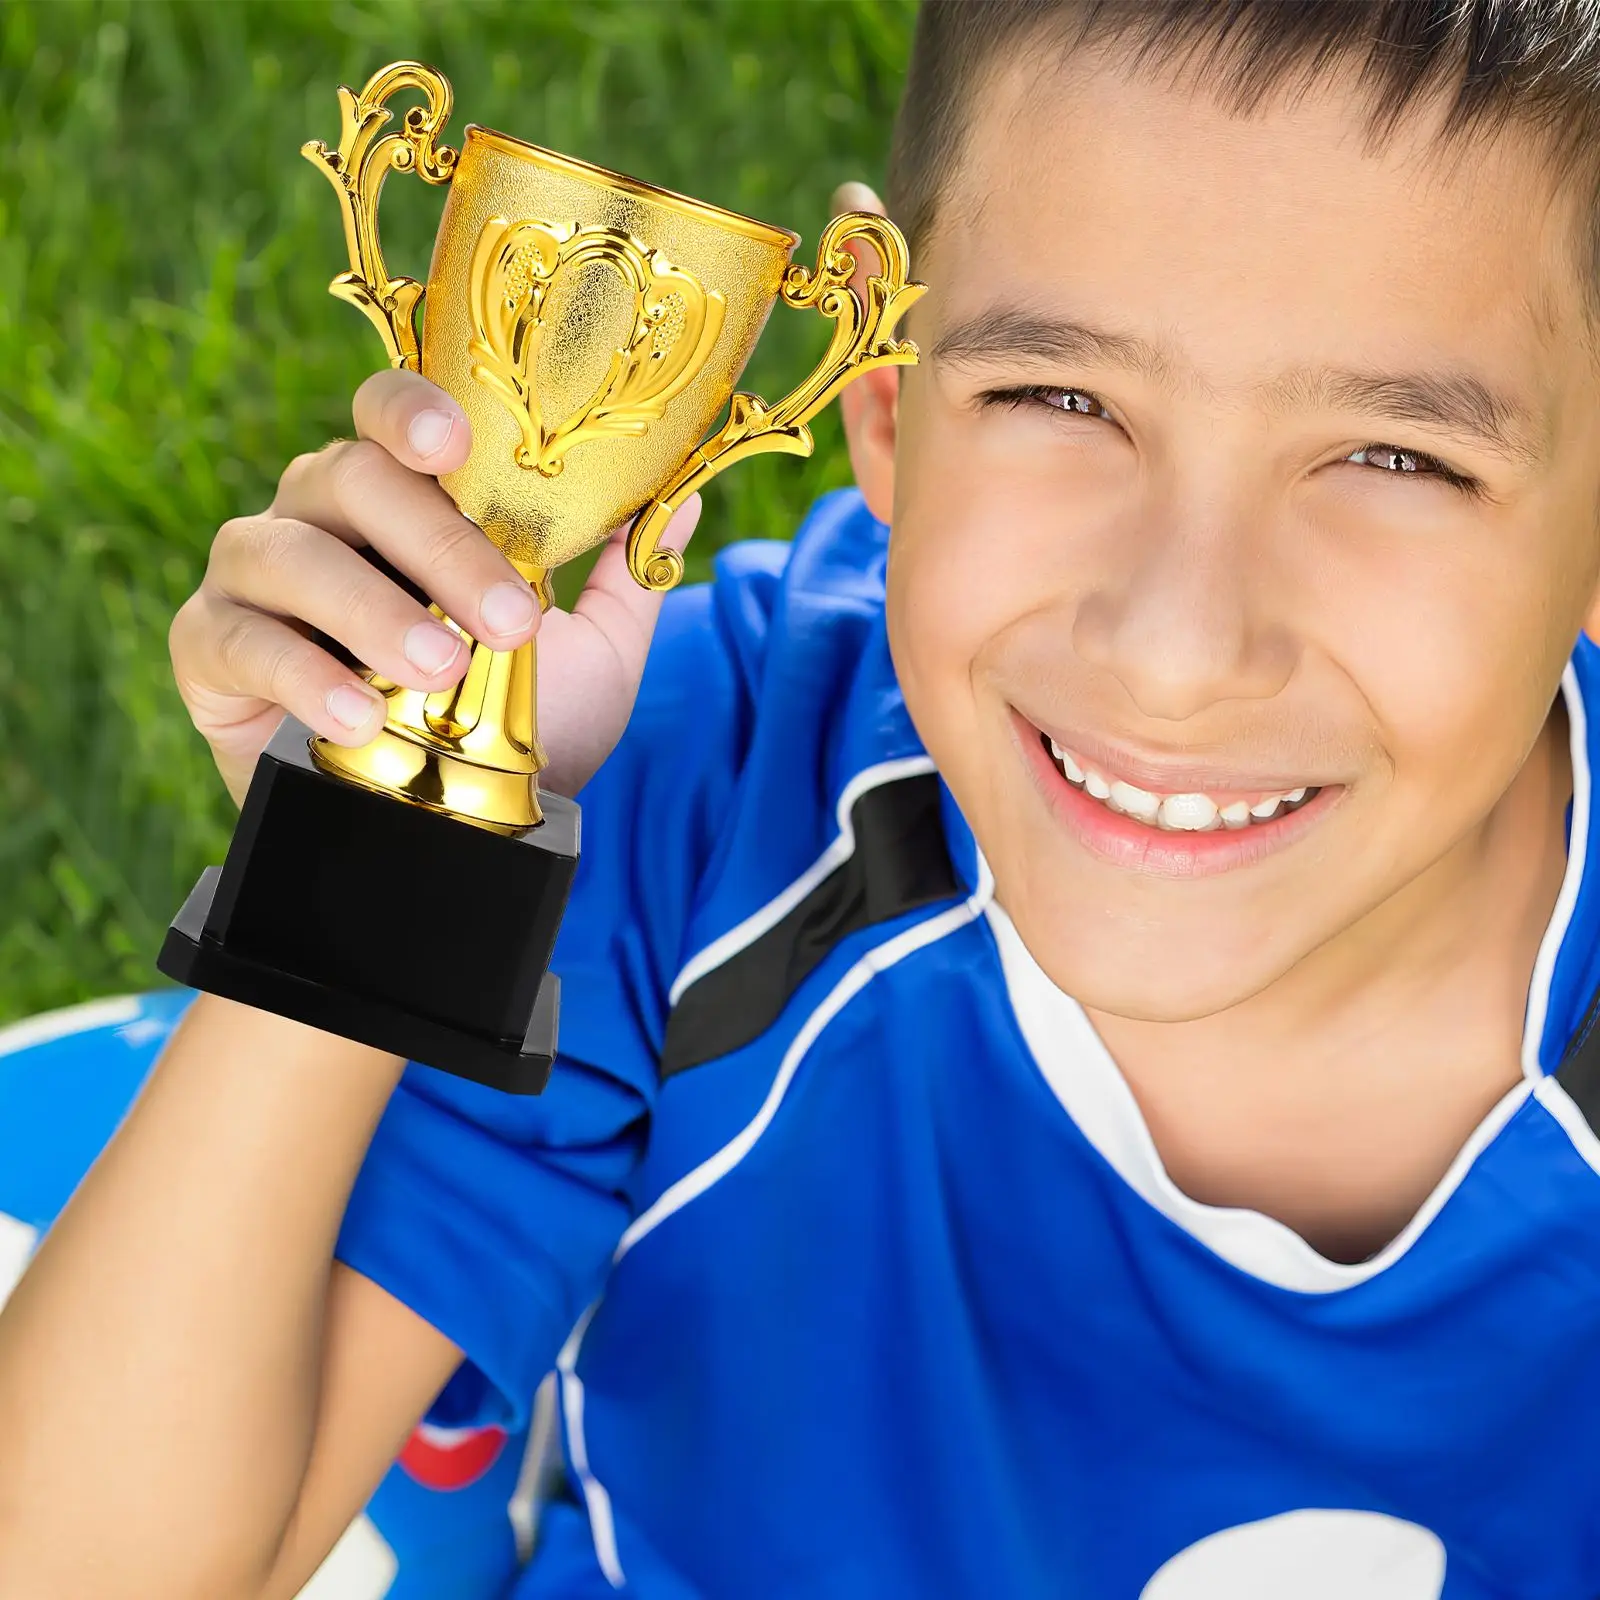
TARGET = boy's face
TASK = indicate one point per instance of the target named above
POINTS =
(1248, 574)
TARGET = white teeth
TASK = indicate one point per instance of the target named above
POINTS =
(1174, 813)
(1136, 802)
(1190, 813)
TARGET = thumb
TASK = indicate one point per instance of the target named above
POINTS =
(620, 607)
(592, 658)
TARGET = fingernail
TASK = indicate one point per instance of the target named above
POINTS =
(430, 648)
(507, 607)
(353, 708)
(430, 432)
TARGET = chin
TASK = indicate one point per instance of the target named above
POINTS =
(1136, 967)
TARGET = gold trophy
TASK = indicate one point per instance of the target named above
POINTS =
(592, 328)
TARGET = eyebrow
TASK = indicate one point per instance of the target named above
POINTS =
(1457, 403)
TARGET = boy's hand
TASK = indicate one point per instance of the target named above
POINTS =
(242, 644)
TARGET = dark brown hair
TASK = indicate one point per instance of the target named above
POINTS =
(1531, 63)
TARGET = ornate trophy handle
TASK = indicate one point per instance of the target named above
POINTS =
(862, 339)
(357, 170)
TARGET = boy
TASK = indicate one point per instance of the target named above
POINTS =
(1068, 1009)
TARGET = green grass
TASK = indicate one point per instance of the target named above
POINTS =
(167, 345)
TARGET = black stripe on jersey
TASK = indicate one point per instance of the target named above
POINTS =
(900, 862)
(1579, 1072)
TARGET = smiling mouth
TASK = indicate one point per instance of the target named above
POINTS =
(1191, 812)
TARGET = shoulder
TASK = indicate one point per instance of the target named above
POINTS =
(765, 690)
(831, 757)
(791, 662)
(818, 595)
(752, 669)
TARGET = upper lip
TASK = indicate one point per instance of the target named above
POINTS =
(1174, 774)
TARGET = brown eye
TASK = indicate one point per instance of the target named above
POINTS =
(1390, 458)
(1078, 401)
(1398, 463)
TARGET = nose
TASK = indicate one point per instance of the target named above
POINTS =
(1184, 620)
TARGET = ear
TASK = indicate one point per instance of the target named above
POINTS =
(867, 404)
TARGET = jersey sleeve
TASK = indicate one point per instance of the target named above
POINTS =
(493, 1216)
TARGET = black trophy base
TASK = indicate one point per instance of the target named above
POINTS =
(192, 959)
(384, 922)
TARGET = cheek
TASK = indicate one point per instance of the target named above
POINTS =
(956, 578)
(1456, 651)
(997, 519)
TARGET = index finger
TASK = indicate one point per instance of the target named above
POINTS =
(414, 420)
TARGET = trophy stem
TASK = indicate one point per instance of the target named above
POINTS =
(471, 751)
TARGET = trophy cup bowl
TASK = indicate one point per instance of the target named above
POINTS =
(592, 328)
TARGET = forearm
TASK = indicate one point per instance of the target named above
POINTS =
(160, 1361)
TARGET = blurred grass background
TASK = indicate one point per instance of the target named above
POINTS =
(167, 345)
